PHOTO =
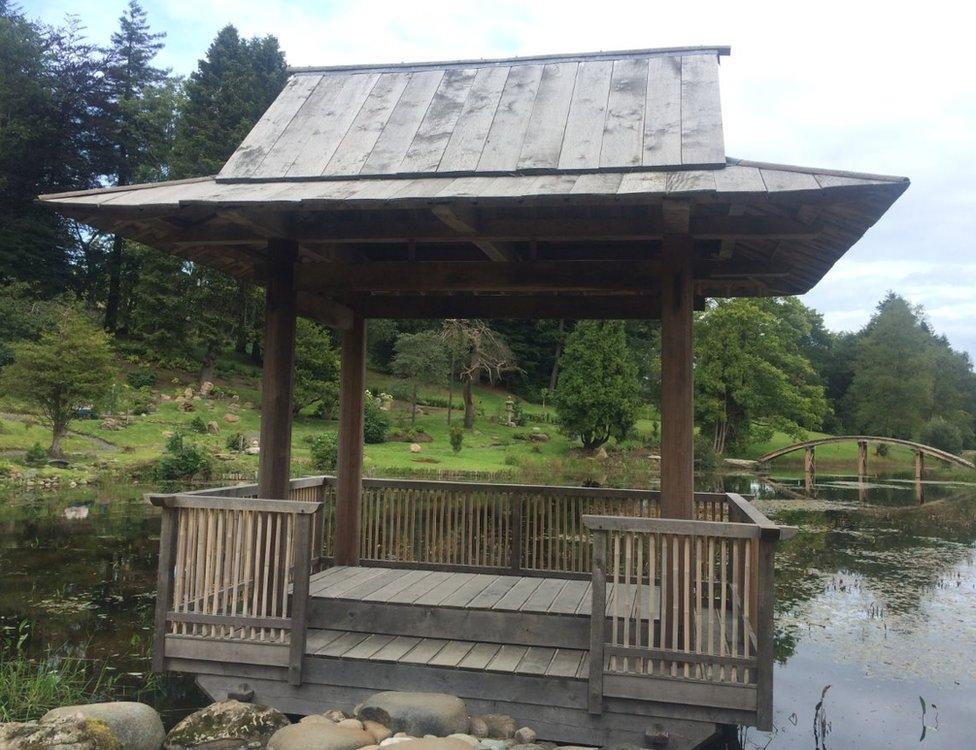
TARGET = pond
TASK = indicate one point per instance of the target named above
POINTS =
(875, 622)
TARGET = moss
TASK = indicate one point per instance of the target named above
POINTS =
(227, 720)
(103, 737)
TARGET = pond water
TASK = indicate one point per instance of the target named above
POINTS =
(875, 622)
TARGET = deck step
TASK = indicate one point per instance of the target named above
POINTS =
(453, 654)
(471, 607)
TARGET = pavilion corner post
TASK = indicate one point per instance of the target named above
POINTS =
(677, 385)
(349, 468)
(278, 377)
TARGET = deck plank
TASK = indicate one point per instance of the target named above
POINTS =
(536, 660)
(347, 580)
(567, 600)
(317, 639)
(469, 591)
(424, 651)
(479, 656)
(451, 654)
(367, 648)
(444, 589)
(342, 644)
(565, 663)
(408, 578)
(493, 592)
(373, 584)
(518, 594)
(396, 648)
(418, 589)
(507, 659)
(544, 596)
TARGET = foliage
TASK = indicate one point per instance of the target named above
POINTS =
(316, 368)
(198, 425)
(941, 433)
(457, 438)
(325, 451)
(420, 358)
(235, 442)
(751, 375)
(376, 422)
(36, 455)
(70, 364)
(597, 396)
(705, 457)
(141, 378)
(480, 352)
(182, 460)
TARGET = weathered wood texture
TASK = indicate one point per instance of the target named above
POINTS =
(278, 376)
(866, 439)
(557, 113)
(349, 465)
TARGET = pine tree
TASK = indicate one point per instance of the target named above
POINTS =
(138, 119)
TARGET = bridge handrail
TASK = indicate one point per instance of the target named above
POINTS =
(926, 449)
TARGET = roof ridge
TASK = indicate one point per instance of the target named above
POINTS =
(718, 50)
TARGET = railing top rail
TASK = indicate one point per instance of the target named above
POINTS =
(673, 526)
(216, 502)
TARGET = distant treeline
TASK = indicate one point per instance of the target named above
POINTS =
(75, 114)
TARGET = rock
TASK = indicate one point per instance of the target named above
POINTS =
(253, 449)
(109, 424)
(206, 387)
(336, 715)
(135, 725)
(416, 447)
(167, 434)
(213, 428)
(319, 736)
(187, 392)
(313, 718)
(231, 418)
(434, 743)
(187, 405)
(226, 724)
(489, 743)
(600, 454)
(417, 713)
(479, 727)
(379, 731)
(500, 726)
(740, 463)
(473, 741)
(525, 736)
(395, 740)
(352, 724)
(532, 746)
(65, 733)
(539, 437)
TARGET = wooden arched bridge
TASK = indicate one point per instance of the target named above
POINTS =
(920, 450)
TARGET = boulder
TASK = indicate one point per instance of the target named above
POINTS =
(473, 741)
(136, 725)
(434, 743)
(525, 736)
(489, 743)
(416, 447)
(226, 725)
(213, 428)
(539, 437)
(600, 454)
(351, 724)
(500, 726)
(65, 733)
(417, 713)
(231, 418)
(336, 715)
(206, 387)
(479, 727)
(379, 731)
(319, 736)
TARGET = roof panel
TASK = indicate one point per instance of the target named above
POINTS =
(650, 108)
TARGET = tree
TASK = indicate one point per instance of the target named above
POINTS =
(483, 353)
(420, 358)
(138, 118)
(316, 368)
(70, 364)
(751, 375)
(598, 394)
(891, 391)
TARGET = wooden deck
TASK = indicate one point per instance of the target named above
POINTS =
(681, 641)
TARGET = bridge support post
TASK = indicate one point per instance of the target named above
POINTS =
(919, 465)
(809, 460)
(862, 460)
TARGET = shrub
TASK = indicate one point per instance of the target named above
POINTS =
(36, 455)
(141, 378)
(511, 459)
(235, 442)
(183, 460)
(457, 438)
(941, 433)
(881, 449)
(376, 423)
(198, 425)
(325, 451)
(704, 452)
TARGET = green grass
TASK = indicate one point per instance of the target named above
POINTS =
(31, 687)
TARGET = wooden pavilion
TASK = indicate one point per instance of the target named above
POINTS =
(569, 186)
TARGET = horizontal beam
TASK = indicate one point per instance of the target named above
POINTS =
(512, 307)
(442, 227)
(325, 311)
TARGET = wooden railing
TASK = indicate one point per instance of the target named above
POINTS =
(227, 565)
(691, 614)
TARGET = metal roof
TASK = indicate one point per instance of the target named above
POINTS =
(635, 110)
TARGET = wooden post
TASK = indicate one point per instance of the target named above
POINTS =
(349, 469)
(810, 461)
(677, 416)
(765, 628)
(164, 586)
(598, 622)
(919, 465)
(515, 500)
(278, 376)
(299, 599)
(862, 460)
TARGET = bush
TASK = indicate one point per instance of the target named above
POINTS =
(325, 451)
(36, 455)
(376, 423)
(198, 425)
(511, 459)
(704, 452)
(457, 438)
(183, 460)
(235, 442)
(141, 378)
(942, 434)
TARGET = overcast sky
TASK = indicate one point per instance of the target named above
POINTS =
(881, 87)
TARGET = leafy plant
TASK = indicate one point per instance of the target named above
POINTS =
(36, 455)
(325, 451)
(457, 438)
(183, 460)
(941, 433)
(376, 422)
(198, 425)
(141, 378)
